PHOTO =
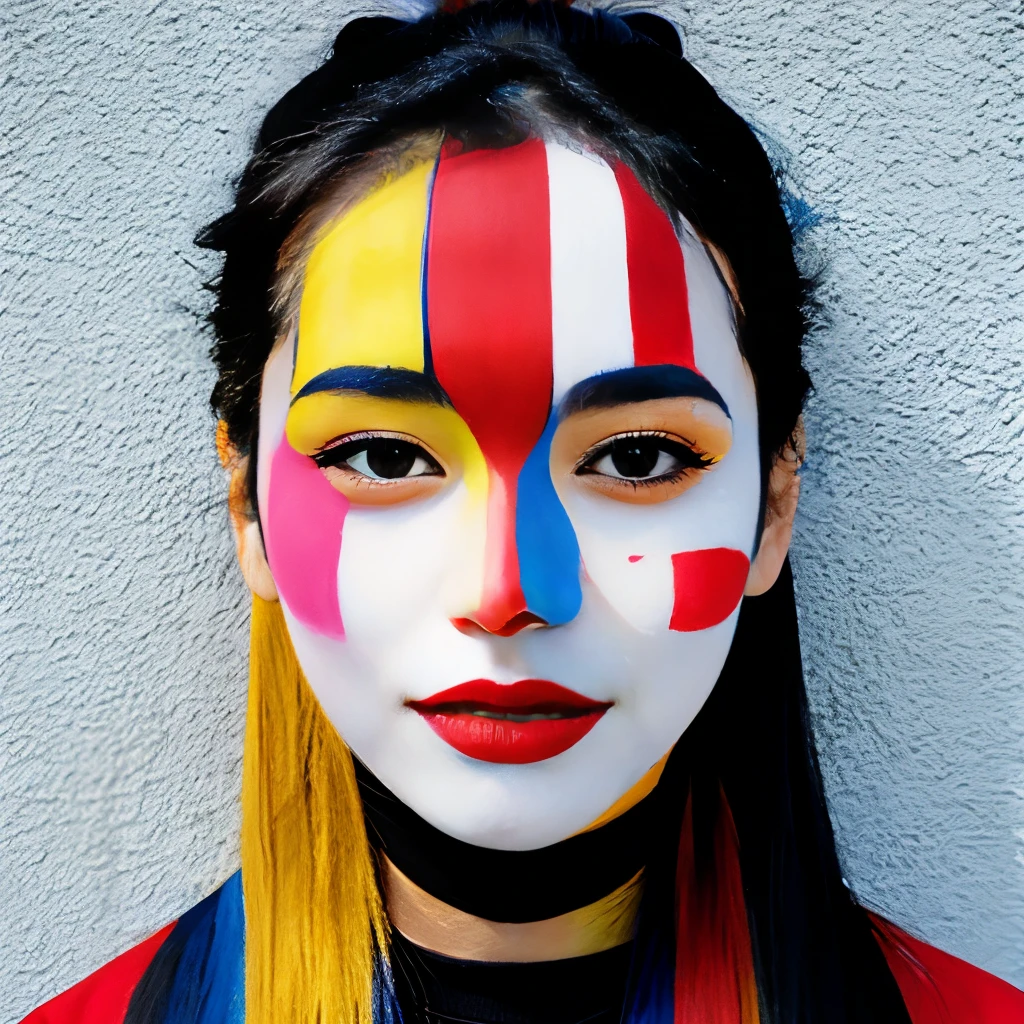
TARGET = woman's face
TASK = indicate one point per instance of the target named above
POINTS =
(509, 487)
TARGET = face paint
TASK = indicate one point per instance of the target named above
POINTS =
(302, 548)
(707, 585)
(509, 483)
(489, 319)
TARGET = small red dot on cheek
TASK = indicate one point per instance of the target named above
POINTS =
(635, 558)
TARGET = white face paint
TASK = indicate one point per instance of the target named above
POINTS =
(566, 542)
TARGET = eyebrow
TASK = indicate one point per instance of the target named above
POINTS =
(638, 384)
(393, 382)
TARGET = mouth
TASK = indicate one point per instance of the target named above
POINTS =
(512, 723)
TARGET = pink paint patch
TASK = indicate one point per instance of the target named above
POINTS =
(303, 525)
(708, 586)
(635, 558)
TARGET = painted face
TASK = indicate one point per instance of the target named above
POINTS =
(509, 486)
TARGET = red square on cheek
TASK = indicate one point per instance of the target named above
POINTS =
(707, 585)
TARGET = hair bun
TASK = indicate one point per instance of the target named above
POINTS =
(356, 58)
(364, 30)
(657, 29)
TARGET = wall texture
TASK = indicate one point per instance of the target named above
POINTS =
(124, 621)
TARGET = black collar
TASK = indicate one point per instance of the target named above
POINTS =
(499, 885)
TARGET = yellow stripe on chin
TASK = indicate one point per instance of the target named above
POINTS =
(643, 787)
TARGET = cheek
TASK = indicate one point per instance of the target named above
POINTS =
(396, 568)
(303, 521)
(656, 589)
(681, 565)
(706, 587)
(301, 513)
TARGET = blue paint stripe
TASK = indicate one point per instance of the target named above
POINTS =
(295, 359)
(549, 555)
(428, 359)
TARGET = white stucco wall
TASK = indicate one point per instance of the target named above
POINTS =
(123, 634)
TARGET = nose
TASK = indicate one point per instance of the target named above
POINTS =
(531, 572)
(503, 609)
(516, 624)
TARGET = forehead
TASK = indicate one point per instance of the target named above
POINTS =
(532, 263)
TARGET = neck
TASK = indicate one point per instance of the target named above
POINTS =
(577, 897)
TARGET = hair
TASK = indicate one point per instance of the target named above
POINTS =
(745, 916)
(303, 846)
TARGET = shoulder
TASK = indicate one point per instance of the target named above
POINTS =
(941, 989)
(103, 997)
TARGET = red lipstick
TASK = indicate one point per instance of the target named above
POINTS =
(514, 723)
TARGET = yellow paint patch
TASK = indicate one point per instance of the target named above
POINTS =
(319, 418)
(361, 303)
(640, 789)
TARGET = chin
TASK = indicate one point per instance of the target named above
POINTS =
(509, 807)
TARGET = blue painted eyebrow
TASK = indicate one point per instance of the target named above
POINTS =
(379, 382)
(638, 384)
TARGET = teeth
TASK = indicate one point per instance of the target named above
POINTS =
(509, 717)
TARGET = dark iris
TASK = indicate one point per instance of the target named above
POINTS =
(635, 456)
(389, 458)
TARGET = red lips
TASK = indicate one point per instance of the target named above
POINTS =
(516, 723)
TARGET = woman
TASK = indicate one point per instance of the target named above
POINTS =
(509, 333)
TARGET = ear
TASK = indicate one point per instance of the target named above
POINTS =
(783, 493)
(252, 559)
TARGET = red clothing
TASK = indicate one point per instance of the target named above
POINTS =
(937, 988)
(103, 997)
(940, 989)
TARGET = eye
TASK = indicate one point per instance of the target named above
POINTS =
(640, 458)
(379, 458)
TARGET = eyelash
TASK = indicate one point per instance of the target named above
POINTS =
(336, 453)
(686, 451)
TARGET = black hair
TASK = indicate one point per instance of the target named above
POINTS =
(485, 74)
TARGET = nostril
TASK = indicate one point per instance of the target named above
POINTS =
(516, 624)
(524, 620)
(467, 626)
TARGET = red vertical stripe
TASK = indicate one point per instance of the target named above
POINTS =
(489, 318)
(658, 304)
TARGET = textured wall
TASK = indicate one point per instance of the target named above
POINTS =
(123, 629)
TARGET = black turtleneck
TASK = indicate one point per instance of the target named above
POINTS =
(507, 886)
(435, 989)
